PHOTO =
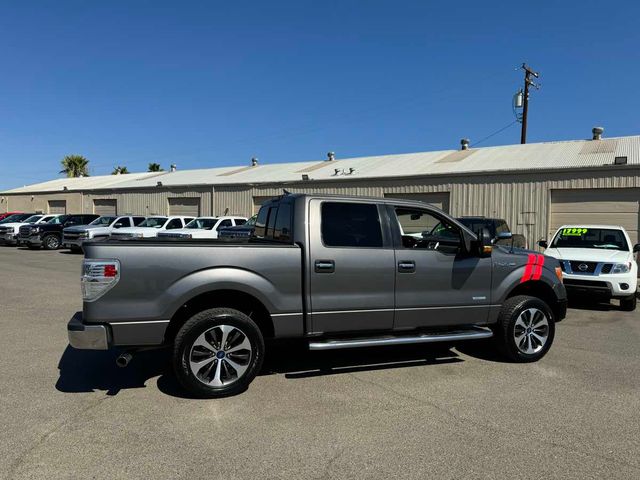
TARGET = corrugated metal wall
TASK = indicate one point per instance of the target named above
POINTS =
(521, 199)
(39, 202)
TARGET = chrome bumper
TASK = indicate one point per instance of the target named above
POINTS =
(87, 337)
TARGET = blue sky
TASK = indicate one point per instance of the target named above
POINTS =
(205, 84)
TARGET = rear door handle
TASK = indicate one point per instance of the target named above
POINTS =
(325, 266)
(406, 266)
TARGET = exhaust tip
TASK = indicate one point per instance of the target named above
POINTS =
(123, 359)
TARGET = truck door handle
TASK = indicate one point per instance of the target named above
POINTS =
(325, 266)
(406, 266)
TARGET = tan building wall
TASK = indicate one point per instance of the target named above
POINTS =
(39, 202)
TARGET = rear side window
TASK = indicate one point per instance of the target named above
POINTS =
(282, 230)
(261, 222)
(224, 224)
(173, 224)
(138, 220)
(274, 223)
(351, 225)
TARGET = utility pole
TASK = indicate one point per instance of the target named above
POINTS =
(528, 73)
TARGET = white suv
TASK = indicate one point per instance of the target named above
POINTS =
(597, 260)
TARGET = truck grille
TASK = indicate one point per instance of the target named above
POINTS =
(583, 267)
(25, 231)
(71, 236)
(606, 268)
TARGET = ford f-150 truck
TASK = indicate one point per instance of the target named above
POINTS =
(336, 271)
(49, 234)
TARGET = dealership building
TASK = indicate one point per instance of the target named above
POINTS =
(536, 187)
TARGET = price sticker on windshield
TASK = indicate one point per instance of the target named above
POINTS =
(574, 232)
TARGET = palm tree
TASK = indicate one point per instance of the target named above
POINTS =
(75, 166)
(155, 167)
(119, 170)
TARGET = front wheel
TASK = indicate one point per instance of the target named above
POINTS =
(525, 329)
(51, 242)
(217, 353)
(628, 304)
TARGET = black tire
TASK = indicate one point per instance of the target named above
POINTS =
(184, 351)
(628, 304)
(505, 329)
(51, 242)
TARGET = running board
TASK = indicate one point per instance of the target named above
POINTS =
(470, 334)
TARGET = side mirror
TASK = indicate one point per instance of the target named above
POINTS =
(636, 248)
(118, 225)
(484, 242)
(504, 236)
(543, 243)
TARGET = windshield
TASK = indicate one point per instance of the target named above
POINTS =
(578, 237)
(103, 221)
(251, 222)
(202, 223)
(57, 220)
(154, 222)
(33, 218)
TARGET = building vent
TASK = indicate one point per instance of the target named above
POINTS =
(254, 162)
(597, 133)
(331, 156)
(173, 167)
(464, 144)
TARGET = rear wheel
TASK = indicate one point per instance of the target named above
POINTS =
(51, 242)
(628, 304)
(525, 329)
(218, 352)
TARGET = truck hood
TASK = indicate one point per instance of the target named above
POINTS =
(15, 225)
(145, 231)
(589, 254)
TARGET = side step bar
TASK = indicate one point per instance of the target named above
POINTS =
(474, 333)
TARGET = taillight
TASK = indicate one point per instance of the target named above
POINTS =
(98, 277)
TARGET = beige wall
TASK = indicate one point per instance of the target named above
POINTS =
(40, 202)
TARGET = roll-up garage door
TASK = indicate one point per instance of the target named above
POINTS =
(438, 199)
(186, 206)
(57, 206)
(105, 206)
(258, 201)
(603, 206)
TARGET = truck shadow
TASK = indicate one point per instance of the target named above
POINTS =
(91, 371)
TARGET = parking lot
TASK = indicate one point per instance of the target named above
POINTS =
(403, 412)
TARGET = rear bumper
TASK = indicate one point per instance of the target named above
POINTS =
(87, 336)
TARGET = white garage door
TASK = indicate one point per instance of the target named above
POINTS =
(439, 199)
(57, 206)
(105, 206)
(258, 201)
(618, 206)
(188, 207)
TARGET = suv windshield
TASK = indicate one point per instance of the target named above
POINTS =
(202, 223)
(578, 237)
(154, 222)
(57, 220)
(103, 221)
(32, 219)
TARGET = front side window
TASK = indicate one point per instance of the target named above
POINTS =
(582, 237)
(350, 225)
(423, 230)
(224, 224)
(240, 221)
(103, 221)
(33, 219)
(174, 224)
(58, 220)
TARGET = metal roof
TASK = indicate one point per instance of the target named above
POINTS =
(573, 154)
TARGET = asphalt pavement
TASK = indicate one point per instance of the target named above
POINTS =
(449, 411)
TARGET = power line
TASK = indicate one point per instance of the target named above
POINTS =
(495, 133)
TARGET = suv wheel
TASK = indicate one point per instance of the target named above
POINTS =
(218, 352)
(51, 242)
(628, 304)
(525, 329)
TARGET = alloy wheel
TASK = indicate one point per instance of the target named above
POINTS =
(531, 331)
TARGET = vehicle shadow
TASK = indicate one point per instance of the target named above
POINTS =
(90, 371)
(585, 303)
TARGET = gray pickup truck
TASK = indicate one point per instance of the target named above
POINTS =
(336, 271)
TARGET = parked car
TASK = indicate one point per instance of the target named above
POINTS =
(498, 229)
(598, 261)
(242, 230)
(16, 218)
(7, 214)
(9, 232)
(49, 235)
(203, 227)
(151, 226)
(328, 269)
(99, 229)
